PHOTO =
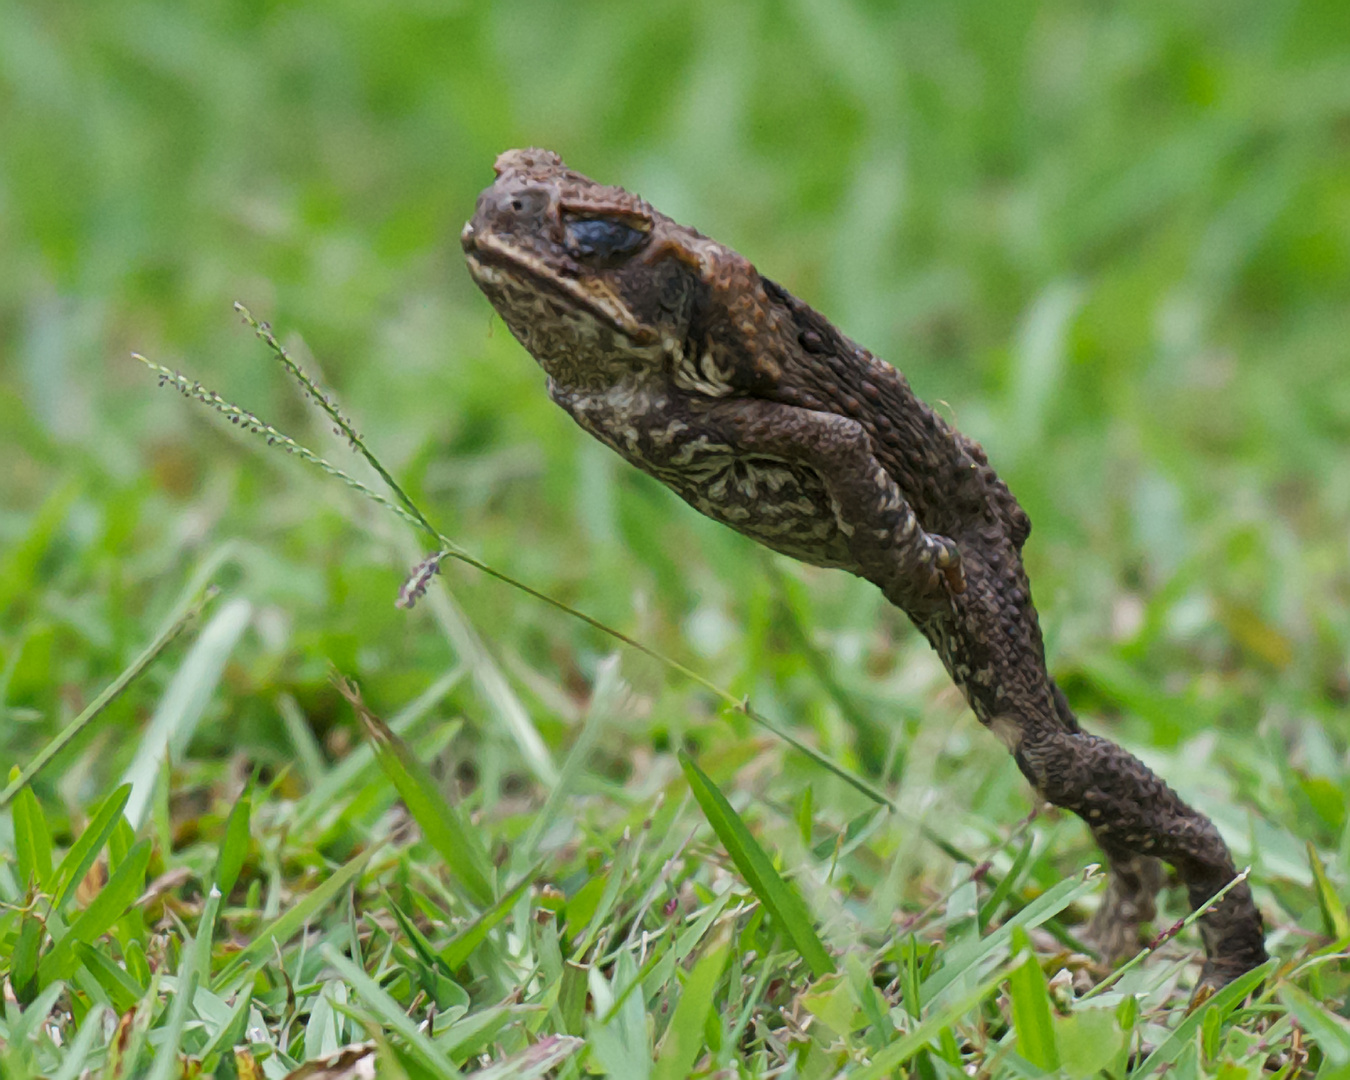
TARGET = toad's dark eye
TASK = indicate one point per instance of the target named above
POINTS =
(602, 239)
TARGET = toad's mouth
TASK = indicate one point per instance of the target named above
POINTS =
(492, 259)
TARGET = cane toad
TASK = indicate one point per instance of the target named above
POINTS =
(674, 351)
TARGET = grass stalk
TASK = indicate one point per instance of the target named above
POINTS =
(404, 507)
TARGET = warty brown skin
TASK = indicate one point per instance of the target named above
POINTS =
(674, 351)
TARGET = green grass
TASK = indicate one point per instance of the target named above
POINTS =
(1115, 241)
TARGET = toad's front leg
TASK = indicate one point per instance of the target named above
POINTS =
(913, 568)
(802, 482)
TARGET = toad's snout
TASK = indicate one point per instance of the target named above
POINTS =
(511, 208)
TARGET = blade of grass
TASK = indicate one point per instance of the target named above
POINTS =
(421, 946)
(441, 823)
(777, 896)
(534, 1061)
(615, 878)
(1002, 890)
(460, 947)
(234, 845)
(967, 956)
(25, 1023)
(352, 769)
(323, 1029)
(474, 1031)
(32, 843)
(621, 1041)
(1330, 1032)
(308, 752)
(183, 615)
(1334, 918)
(194, 961)
(887, 1061)
(389, 1013)
(85, 850)
(290, 922)
(684, 1037)
(183, 704)
(361, 762)
(77, 1053)
(1184, 1033)
(19, 564)
(111, 903)
(1031, 1007)
(122, 989)
(492, 685)
(605, 696)
(231, 1030)
(23, 960)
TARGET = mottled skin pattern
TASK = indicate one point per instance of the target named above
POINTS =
(675, 352)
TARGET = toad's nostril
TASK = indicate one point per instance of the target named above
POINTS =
(522, 203)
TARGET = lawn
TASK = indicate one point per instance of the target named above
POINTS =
(735, 821)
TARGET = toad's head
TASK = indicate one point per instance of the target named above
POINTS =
(596, 284)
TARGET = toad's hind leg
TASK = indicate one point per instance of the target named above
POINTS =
(1132, 882)
(1134, 814)
(1129, 903)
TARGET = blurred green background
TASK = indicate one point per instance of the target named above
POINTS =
(1113, 239)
